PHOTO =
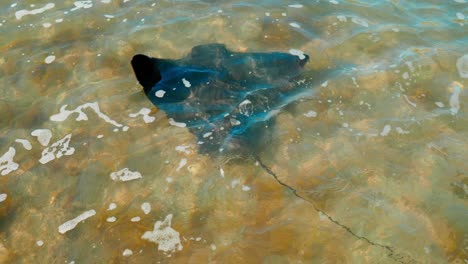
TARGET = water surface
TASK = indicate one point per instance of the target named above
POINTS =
(370, 169)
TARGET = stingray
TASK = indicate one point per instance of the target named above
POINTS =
(227, 99)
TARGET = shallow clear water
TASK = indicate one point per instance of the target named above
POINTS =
(371, 169)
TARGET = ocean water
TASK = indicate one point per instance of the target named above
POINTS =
(370, 169)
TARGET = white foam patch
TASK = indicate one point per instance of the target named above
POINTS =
(43, 136)
(310, 114)
(49, 59)
(386, 130)
(246, 108)
(145, 113)
(164, 235)
(334, 2)
(3, 197)
(208, 134)
(455, 98)
(401, 131)
(82, 4)
(135, 219)
(7, 164)
(294, 25)
(182, 163)
(40, 243)
(245, 188)
(298, 53)
(296, 6)
(64, 114)
(234, 122)
(221, 171)
(360, 21)
(47, 25)
(21, 13)
(111, 219)
(439, 104)
(127, 252)
(71, 224)
(146, 207)
(183, 149)
(341, 18)
(234, 183)
(25, 143)
(186, 83)
(160, 93)
(408, 101)
(57, 150)
(322, 216)
(462, 66)
(111, 207)
(125, 175)
(172, 122)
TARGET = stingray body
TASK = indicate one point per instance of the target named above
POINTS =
(227, 99)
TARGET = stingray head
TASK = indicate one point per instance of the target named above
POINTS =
(146, 71)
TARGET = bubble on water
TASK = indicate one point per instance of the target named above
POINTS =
(127, 252)
(112, 206)
(186, 83)
(160, 93)
(49, 59)
(146, 207)
(3, 197)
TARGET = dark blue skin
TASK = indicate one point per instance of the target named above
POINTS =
(233, 95)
